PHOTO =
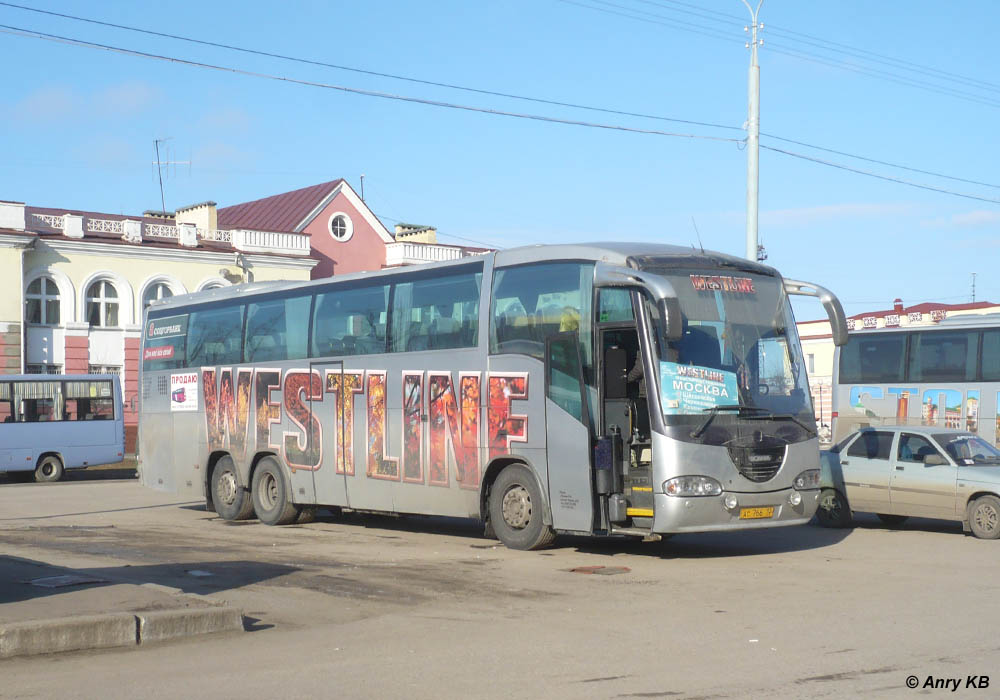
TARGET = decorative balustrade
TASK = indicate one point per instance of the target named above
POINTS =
(104, 226)
(160, 231)
(270, 242)
(416, 253)
(56, 222)
(215, 235)
(239, 239)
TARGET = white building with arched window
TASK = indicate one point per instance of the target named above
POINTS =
(76, 283)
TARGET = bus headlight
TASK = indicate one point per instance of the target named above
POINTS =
(809, 479)
(692, 486)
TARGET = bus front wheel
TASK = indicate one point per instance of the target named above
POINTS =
(270, 494)
(231, 500)
(50, 468)
(516, 510)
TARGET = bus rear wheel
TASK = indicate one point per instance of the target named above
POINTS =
(516, 510)
(231, 499)
(270, 494)
(50, 468)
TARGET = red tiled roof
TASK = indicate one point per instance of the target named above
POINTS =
(280, 212)
(926, 308)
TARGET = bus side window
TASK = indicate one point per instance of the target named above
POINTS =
(350, 321)
(6, 404)
(531, 302)
(276, 330)
(214, 336)
(991, 356)
(436, 313)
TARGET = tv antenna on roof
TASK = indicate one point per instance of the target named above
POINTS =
(165, 164)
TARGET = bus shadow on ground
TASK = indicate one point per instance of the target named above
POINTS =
(715, 545)
(686, 546)
(18, 574)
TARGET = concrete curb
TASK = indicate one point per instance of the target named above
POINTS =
(113, 630)
(162, 625)
(67, 634)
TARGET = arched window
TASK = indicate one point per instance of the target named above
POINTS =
(102, 304)
(160, 290)
(41, 304)
(213, 285)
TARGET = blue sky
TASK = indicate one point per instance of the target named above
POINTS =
(79, 124)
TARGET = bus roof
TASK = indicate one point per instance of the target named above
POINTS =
(614, 252)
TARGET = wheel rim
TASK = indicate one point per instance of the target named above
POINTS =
(517, 507)
(831, 504)
(269, 491)
(227, 488)
(48, 468)
(986, 517)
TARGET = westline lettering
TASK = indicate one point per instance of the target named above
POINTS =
(240, 414)
(712, 283)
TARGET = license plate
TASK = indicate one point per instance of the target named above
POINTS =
(752, 513)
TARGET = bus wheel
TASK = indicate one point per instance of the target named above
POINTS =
(516, 510)
(50, 468)
(984, 517)
(270, 495)
(232, 502)
(833, 510)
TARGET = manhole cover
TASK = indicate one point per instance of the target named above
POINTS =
(601, 570)
(66, 580)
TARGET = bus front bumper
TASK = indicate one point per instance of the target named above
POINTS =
(752, 511)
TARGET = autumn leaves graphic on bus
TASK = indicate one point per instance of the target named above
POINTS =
(440, 440)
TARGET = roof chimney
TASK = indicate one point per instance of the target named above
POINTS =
(203, 216)
(897, 305)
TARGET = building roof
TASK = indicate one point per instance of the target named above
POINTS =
(922, 308)
(280, 212)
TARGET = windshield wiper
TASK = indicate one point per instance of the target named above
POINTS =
(786, 416)
(715, 410)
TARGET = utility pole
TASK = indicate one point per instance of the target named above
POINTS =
(753, 134)
(973, 287)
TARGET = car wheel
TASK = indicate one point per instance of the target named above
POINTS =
(891, 520)
(984, 517)
(230, 497)
(49, 469)
(270, 494)
(833, 510)
(516, 510)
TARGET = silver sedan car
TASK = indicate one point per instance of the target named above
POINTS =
(924, 471)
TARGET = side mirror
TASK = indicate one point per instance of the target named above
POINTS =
(661, 290)
(838, 319)
(934, 460)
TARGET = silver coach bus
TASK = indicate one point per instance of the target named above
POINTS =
(602, 389)
(945, 375)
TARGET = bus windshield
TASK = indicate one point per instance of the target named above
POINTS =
(738, 360)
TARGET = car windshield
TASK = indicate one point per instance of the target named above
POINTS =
(968, 449)
(738, 359)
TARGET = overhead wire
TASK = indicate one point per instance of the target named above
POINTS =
(804, 55)
(362, 71)
(57, 38)
(878, 176)
(31, 33)
(824, 44)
